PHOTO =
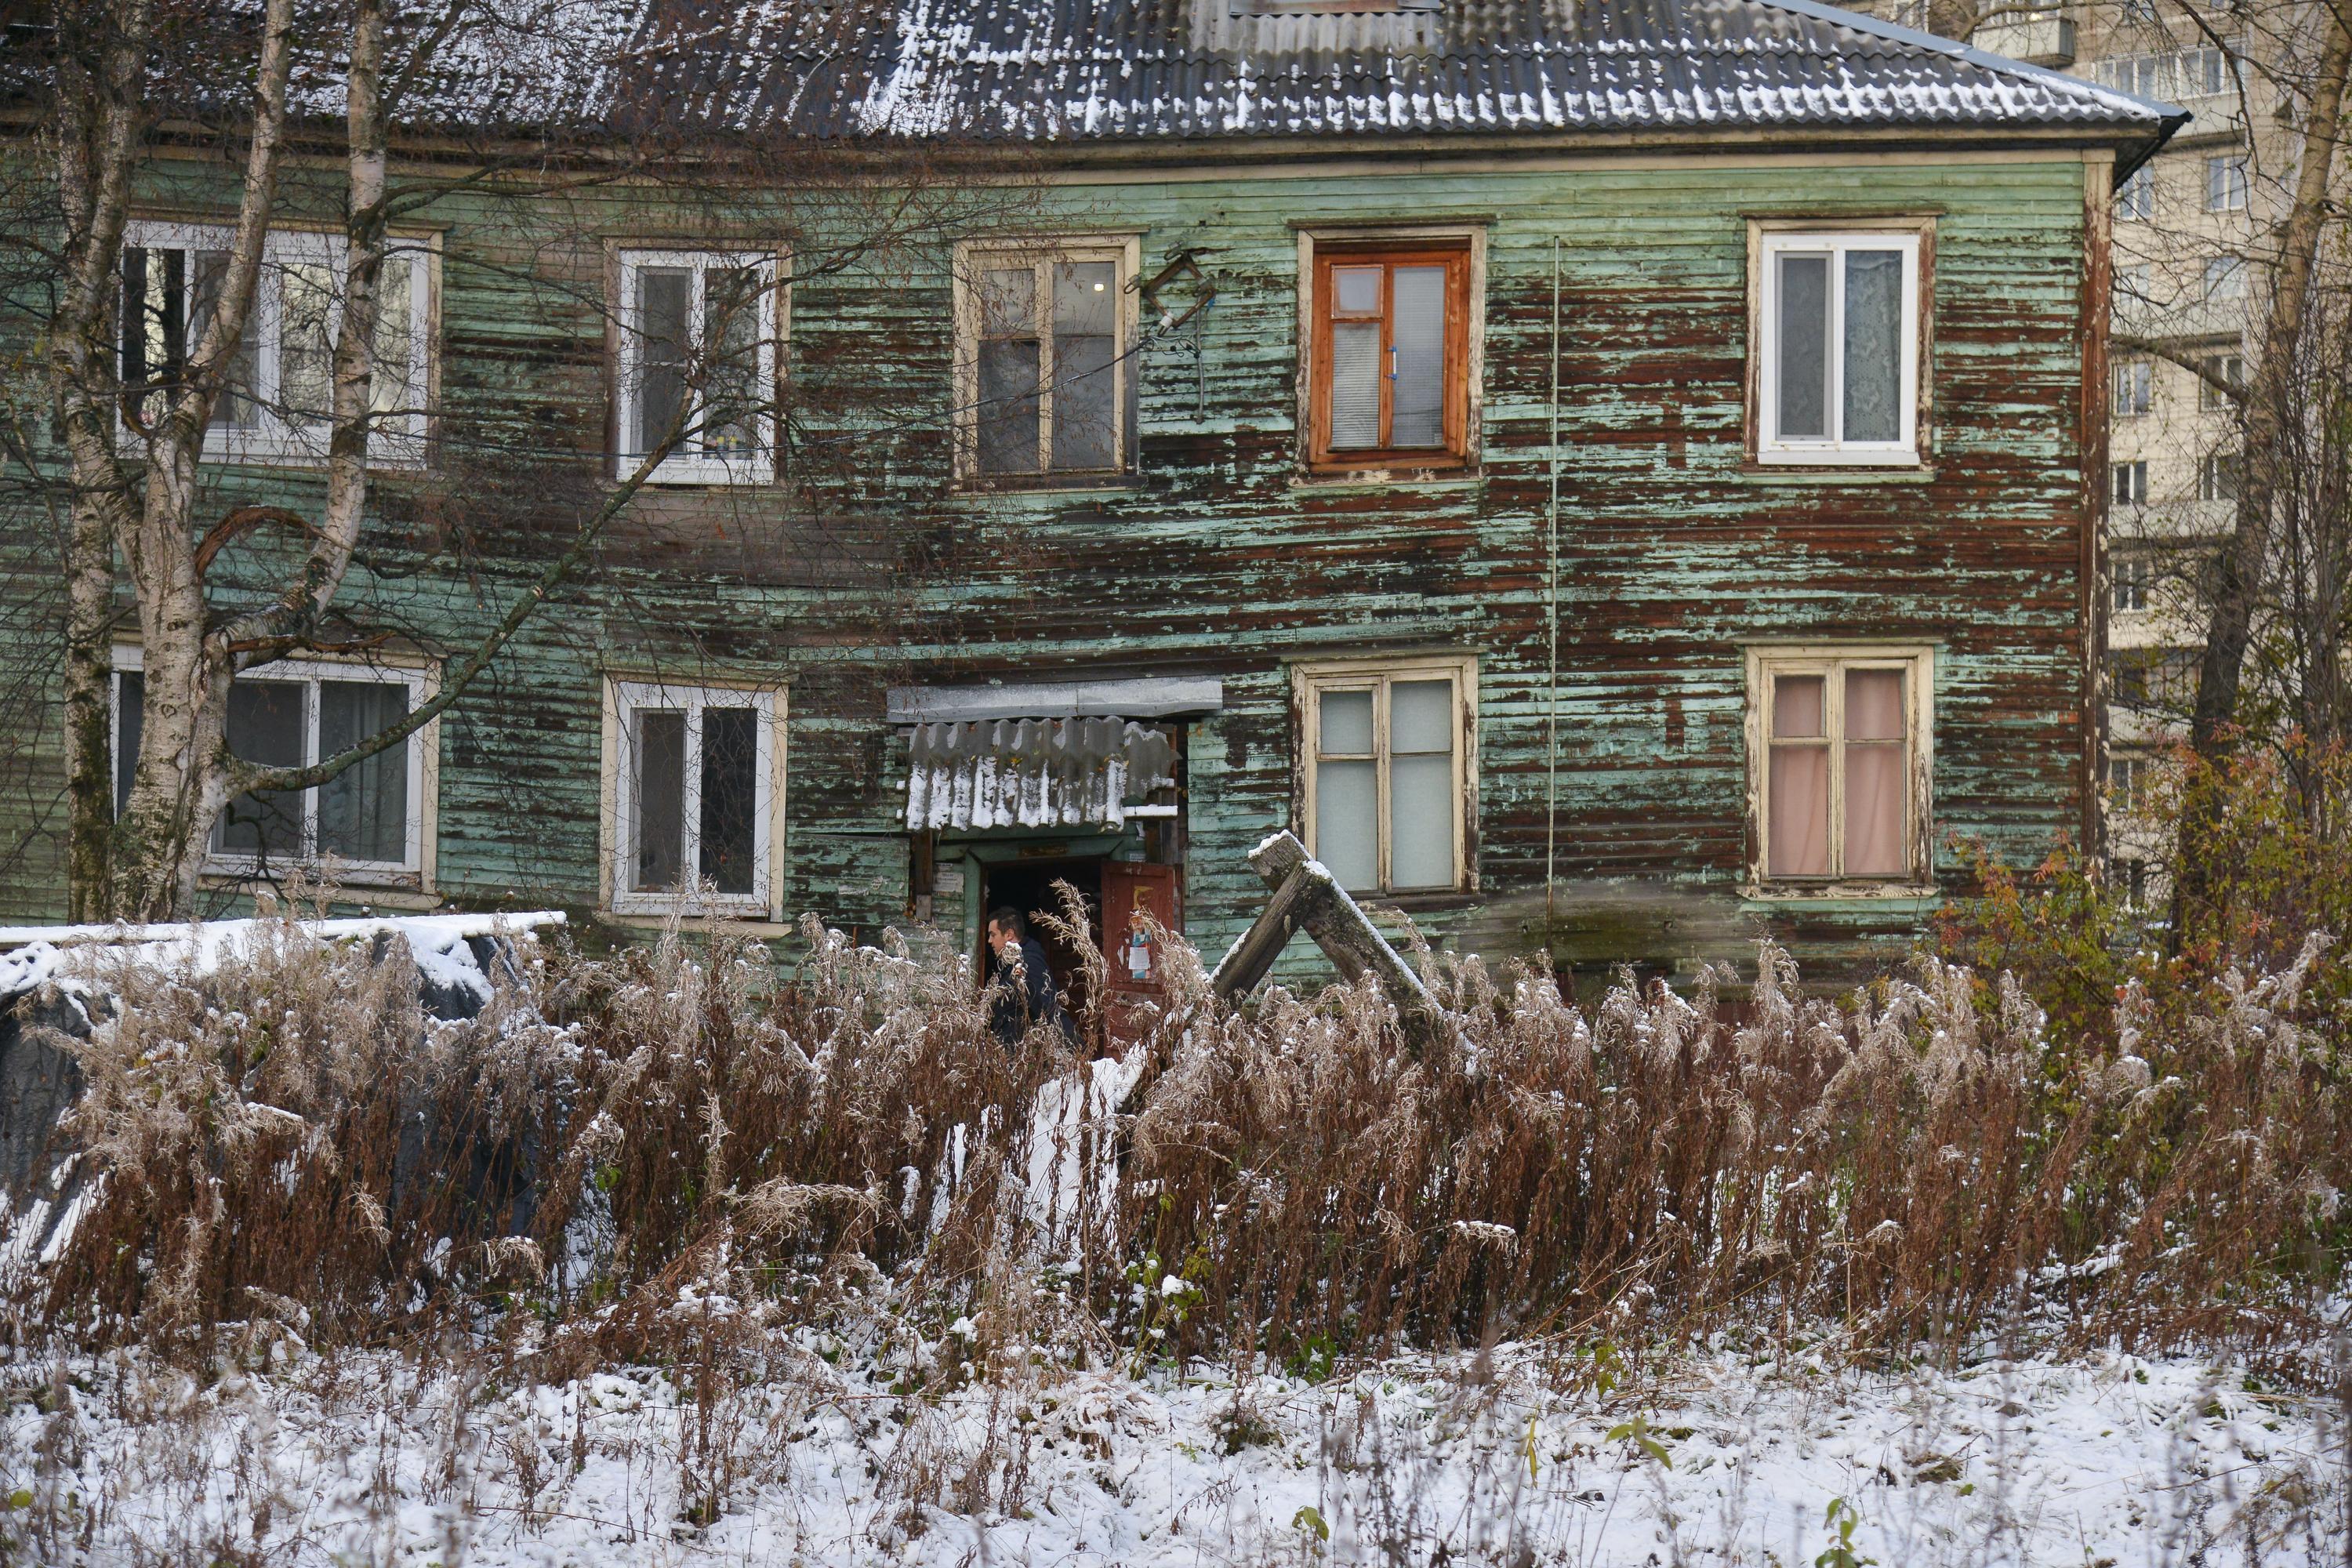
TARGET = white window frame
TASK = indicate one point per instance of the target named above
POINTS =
(623, 698)
(423, 747)
(1767, 663)
(2135, 582)
(1913, 240)
(395, 441)
(2135, 197)
(2228, 182)
(974, 256)
(2138, 484)
(1309, 680)
(2133, 390)
(686, 463)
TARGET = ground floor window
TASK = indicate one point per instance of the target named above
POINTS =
(695, 788)
(368, 819)
(1387, 767)
(1840, 755)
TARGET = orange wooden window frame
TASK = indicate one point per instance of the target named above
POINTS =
(1455, 259)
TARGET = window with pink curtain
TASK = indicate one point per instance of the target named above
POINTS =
(1877, 775)
(1798, 791)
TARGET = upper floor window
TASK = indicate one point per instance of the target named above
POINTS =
(698, 331)
(2129, 482)
(695, 798)
(2225, 183)
(1389, 346)
(1839, 754)
(2135, 197)
(2225, 277)
(2216, 476)
(2230, 368)
(276, 398)
(368, 819)
(2133, 574)
(2135, 390)
(1386, 763)
(1837, 347)
(1045, 355)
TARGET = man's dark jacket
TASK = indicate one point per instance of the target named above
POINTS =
(1026, 999)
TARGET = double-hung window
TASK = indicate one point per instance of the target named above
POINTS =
(696, 796)
(368, 819)
(698, 333)
(1388, 764)
(1837, 347)
(1045, 360)
(1390, 358)
(1840, 757)
(276, 397)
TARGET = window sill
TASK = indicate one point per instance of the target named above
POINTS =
(381, 889)
(1075, 488)
(1839, 892)
(1344, 481)
(759, 925)
(669, 477)
(1420, 902)
(1770, 473)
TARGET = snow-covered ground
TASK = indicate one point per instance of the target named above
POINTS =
(1516, 1460)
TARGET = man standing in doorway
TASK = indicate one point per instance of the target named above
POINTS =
(1021, 988)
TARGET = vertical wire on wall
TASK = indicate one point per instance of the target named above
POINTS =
(1551, 627)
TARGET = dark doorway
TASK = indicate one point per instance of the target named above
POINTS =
(1028, 886)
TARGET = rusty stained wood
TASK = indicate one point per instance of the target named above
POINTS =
(866, 568)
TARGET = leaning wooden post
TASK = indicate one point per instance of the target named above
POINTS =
(1306, 898)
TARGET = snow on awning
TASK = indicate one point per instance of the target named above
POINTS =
(1033, 773)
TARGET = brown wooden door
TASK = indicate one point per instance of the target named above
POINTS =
(1133, 896)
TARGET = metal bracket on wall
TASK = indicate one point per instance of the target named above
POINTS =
(1181, 330)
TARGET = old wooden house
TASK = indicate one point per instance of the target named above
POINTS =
(1613, 476)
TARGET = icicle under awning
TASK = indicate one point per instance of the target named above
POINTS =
(1033, 773)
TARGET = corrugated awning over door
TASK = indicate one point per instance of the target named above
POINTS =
(1033, 773)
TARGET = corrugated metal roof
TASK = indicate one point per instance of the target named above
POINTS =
(1081, 71)
(1033, 773)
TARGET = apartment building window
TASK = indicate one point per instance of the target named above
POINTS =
(2217, 477)
(2125, 773)
(695, 792)
(2134, 384)
(2134, 284)
(2225, 183)
(2133, 574)
(698, 333)
(1046, 338)
(368, 819)
(2225, 277)
(2135, 197)
(1387, 775)
(2152, 678)
(1840, 758)
(1389, 369)
(277, 395)
(2230, 368)
(1837, 347)
(2130, 483)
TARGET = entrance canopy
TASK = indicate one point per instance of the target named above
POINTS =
(1074, 753)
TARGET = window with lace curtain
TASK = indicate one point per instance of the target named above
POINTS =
(1840, 754)
(1836, 346)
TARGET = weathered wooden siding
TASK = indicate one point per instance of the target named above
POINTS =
(868, 569)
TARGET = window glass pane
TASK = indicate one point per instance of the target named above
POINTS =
(1874, 704)
(1008, 302)
(1421, 716)
(265, 725)
(1417, 405)
(1007, 419)
(1356, 291)
(1421, 821)
(1347, 826)
(1874, 346)
(130, 723)
(1346, 729)
(659, 830)
(234, 408)
(1875, 778)
(665, 299)
(730, 758)
(1803, 367)
(363, 810)
(1798, 834)
(154, 324)
(1355, 386)
(389, 388)
(1800, 706)
(306, 343)
(1086, 416)
(734, 306)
